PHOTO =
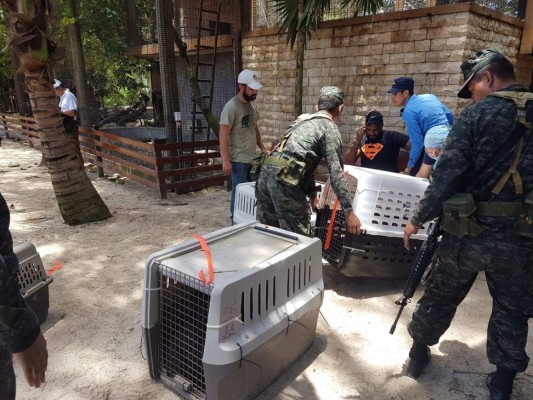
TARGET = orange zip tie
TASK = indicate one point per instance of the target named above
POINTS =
(205, 249)
(57, 267)
(331, 224)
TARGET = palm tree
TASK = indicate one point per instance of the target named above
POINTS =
(300, 18)
(78, 201)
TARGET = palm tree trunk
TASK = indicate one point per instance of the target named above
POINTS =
(300, 52)
(77, 199)
(87, 104)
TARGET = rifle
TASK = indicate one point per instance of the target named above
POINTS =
(422, 261)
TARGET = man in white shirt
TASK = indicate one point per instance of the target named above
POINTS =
(68, 107)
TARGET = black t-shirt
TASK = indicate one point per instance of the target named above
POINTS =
(382, 153)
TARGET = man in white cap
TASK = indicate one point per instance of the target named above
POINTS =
(68, 107)
(239, 135)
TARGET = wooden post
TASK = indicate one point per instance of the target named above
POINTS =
(526, 46)
(4, 123)
(160, 181)
(399, 5)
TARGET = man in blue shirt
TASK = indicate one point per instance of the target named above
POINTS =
(420, 113)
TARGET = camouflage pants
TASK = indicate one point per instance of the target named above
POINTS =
(281, 206)
(508, 269)
(7, 375)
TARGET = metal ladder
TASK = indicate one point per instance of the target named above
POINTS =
(206, 68)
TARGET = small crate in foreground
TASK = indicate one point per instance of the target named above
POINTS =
(32, 279)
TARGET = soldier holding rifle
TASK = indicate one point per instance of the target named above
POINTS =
(483, 187)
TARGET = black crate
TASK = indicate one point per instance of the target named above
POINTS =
(32, 279)
(364, 255)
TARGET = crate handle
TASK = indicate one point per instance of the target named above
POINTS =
(205, 248)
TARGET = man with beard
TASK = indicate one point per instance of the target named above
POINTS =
(378, 148)
(239, 134)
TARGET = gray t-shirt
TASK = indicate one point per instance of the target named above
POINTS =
(242, 120)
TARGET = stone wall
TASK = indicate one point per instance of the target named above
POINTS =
(363, 55)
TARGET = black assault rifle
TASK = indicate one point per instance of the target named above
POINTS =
(422, 261)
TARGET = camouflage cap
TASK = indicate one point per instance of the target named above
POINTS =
(475, 63)
(332, 91)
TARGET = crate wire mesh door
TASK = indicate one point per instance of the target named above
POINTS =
(384, 203)
(230, 339)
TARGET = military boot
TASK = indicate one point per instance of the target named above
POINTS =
(419, 357)
(500, 383)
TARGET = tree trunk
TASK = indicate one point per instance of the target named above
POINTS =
(87, 105)
(23, 101)
(77, 199)
(300, 52)
(167, 65)
(133, 36)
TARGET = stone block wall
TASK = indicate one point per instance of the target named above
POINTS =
(363, 55)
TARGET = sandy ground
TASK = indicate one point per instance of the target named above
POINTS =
(93, 329)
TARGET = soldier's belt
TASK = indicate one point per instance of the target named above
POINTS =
(274, 160)
(499, 209)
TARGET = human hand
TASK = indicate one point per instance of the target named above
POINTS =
(359, 135)
(352, 223)
(313, 202)
(34, 361)
(226, 167)
(410, 229)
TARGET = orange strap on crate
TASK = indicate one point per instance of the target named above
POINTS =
(331, 224)
(58, 266)
(205, 249)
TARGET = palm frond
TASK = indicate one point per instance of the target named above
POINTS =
(363, 7)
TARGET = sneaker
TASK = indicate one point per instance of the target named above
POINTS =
(417, 362)
(496, 393)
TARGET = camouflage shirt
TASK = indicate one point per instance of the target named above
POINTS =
(316, 139)
(479, 149)
(19, 326)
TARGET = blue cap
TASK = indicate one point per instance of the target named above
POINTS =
(401, 84)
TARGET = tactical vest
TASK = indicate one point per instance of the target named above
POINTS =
(460, 211)
(292, 171)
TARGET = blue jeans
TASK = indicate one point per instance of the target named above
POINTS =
(239, 174)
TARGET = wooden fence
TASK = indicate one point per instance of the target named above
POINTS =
(178, 167)
(18, 126)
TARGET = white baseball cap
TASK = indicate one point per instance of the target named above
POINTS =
(248, 77)
(56, 83)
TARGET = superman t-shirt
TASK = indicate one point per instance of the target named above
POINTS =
(382, 153)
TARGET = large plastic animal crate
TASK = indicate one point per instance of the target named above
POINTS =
(32, 279)
(230, 338)
(246, 204)
(384, 203)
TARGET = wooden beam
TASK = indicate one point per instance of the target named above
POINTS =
(526, 47)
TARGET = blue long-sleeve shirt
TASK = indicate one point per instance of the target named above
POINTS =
(422, 112)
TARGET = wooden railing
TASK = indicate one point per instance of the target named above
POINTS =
(15, 125)
(178, 167)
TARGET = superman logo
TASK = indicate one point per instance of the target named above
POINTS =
(370, 150)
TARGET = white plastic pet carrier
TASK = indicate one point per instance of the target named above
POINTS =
(229, 338)
(246, 203)
(384, 202)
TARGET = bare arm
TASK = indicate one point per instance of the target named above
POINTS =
(407, 146)
(354, 152)
(70, 113)
(223, 134)
(424, 171)
(259, 141)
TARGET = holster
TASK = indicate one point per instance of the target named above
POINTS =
(525, 227)
(458, 216)
(257, 163)
(292, 173)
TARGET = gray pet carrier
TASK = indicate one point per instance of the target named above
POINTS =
(230, 337)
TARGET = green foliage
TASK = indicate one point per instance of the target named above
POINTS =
(363, 7)
(6, 74)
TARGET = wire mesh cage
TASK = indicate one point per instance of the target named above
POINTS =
(384, 203)
(32, 279)
(232, 336)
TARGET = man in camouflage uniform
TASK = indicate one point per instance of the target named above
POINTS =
(21, 339)
(480, 149)
(313, 137)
